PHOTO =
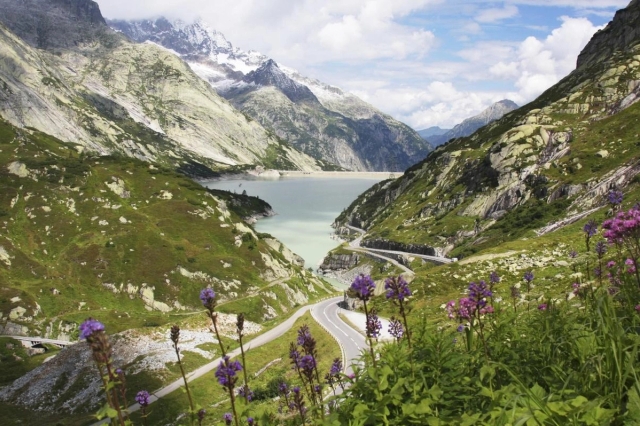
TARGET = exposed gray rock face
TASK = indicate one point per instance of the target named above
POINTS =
(620, 34)
(111, 96)
(470, 125)
(320, 120)
(55, 23)
(383, 244)
(337, 262)
(269, 74)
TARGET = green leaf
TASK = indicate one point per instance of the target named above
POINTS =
(579, 401)
(408, 409)
(559, 407)
(106, 411)
(485, 391)
(360, 410)
(633, 408)
(435, 392)
(424, 407)
(487, 370)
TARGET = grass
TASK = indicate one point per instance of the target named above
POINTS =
(207, 392)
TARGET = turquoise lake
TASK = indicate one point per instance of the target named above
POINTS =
(305, 209)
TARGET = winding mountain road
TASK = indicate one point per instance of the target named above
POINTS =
(355, 246)
(325, 313)
(351, 341)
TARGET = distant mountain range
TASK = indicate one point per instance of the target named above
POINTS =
(432, 131)
(320, 120)
(437, 136)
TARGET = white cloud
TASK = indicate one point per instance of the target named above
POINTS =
(309, 31)
(540, 63)
(497, 14)
(523, 70)
(578, 4)
(374, 49)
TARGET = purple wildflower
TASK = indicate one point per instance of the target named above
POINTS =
(461, 328)
(208, 298)
(528, 276)
(615, 197)
(573, 254)
(542, 307)
(201, 413)
(373, 325)
(250, 421)
(245, 392)
(336, 367)
(307, 363)
(317, 389)
(226, 372)
(119, 371)
(590, 228)
(396, 329)
(637, 308)
(142, 398)
(631, 266)
(228, 418)
(89, 327)
(397, 288)
(363, 286)
(494, 278)
(479, 292)
(611, 264)
(296, 390)
(303, 335)
(601, 249)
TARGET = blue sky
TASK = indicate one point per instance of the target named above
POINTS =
(425, 62)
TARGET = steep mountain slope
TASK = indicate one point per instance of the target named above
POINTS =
(109, 95)
(470, 125)
(68, 250)
(556, 157)
(132, 245)
(319, 119)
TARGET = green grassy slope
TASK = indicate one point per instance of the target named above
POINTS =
(549, 159)
(125, 241)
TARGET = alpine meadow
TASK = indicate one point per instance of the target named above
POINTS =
(488, 276)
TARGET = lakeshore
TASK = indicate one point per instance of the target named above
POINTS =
(305, 206)
(343, 175)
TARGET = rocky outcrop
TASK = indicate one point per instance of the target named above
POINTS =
(619, 35)
(382, 244)
(338, 262)
(49, 24)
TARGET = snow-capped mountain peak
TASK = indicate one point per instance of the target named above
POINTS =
(332, 125)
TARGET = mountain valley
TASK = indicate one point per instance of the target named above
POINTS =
(108, 129)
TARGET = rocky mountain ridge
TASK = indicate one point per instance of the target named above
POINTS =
(319, 119)
(551, 160)
(432, 131)
(471, 124)
(620, 34)
(110, 96)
